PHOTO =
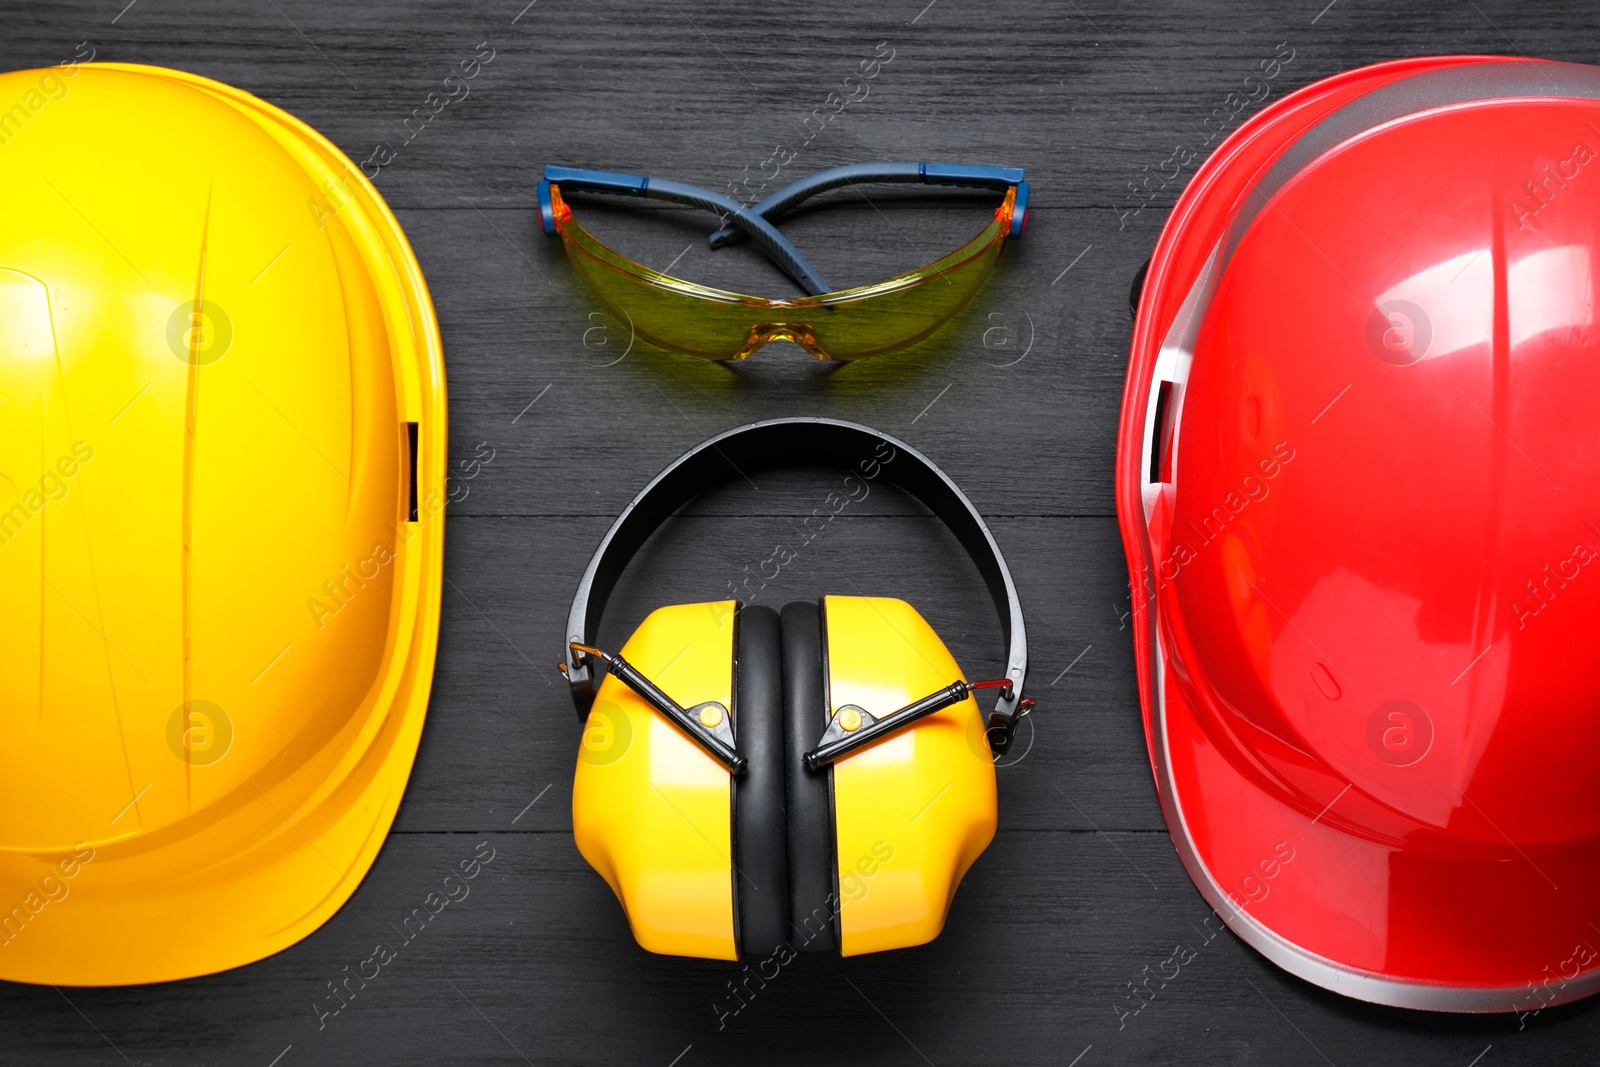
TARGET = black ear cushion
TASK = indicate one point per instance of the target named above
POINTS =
(813, 903)
(760, 853)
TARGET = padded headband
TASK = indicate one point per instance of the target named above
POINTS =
(784, 443)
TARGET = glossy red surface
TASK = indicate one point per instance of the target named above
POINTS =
(1367, 575)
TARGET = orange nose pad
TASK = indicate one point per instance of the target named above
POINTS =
(763, 335)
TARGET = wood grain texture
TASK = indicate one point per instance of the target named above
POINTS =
(1081, 895)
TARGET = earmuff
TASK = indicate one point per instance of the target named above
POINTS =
(812, 780)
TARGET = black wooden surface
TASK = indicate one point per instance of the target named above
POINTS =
(1081, 890)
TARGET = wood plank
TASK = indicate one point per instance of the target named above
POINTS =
(1022, 369)
(1046, 935)
(501, 724)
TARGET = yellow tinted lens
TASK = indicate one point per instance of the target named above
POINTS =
(670, 312)
(845, 325)
(903, 310)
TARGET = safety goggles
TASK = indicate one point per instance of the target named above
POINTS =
(843, 325)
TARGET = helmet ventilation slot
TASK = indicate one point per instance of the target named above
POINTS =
(1161, 436)
(411, 465)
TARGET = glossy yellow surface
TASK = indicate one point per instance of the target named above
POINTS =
(219, 624)
(651, 810)
(913, 810)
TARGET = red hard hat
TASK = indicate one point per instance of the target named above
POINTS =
(1358, 483)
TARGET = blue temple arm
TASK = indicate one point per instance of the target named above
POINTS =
(789, 197)
(742, 218)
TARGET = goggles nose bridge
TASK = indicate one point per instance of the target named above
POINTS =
(765, 333)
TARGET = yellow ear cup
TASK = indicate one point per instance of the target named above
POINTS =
(651, 810)
(914, 810)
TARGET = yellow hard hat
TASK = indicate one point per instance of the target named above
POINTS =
(222, 451)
